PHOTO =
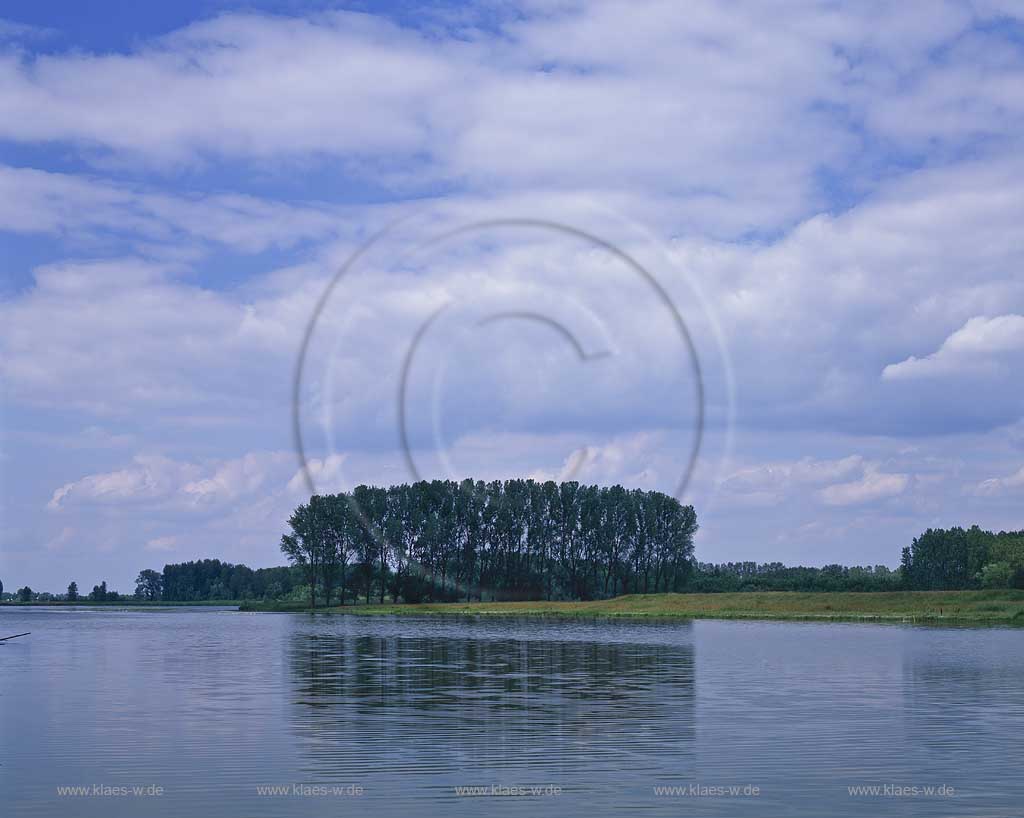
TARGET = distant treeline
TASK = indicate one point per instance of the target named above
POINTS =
(939, 560)
(99, 593)
(512, 539)
(774, 576)
(519, 539)
(204, 580)
(955, 558)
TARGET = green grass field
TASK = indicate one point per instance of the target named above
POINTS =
(992, 607)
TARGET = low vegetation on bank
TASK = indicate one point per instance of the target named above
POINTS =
(992, 607)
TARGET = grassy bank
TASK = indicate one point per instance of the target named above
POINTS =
(1006, 607)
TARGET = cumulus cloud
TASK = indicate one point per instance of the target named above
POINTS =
(846, 295)
(649, 460)
(548, 96)
(161, 544)
(149, 478)
(874, 485)
(326, 474)
(115, 337)
(58, 543)
(36, 201)
(110, 336)
(977, 345)
(155, 480)
(353, 82)
(768, 483)
(233, 479)
(997, 486)
(805, 166)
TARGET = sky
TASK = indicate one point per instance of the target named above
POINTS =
(766, 256)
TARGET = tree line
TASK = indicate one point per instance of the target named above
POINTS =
(962, 558)
(211, 579)
(520, 539)
(195, 581)
(774, 576)
(99, 593)
(514, 539)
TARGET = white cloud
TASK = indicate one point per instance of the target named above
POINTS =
(977, 345)
(768, 483)
(65, 536)
(326, 474)
(835, 136)
(161, 543)
(110, 336)
(235, 478)
(997, 486)
(648, 460)
(874, 485)
(151, 477)
(34, 201)
(553, 97)
(239, 84)
(159, 481)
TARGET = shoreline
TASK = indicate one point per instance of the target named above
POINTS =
(994, 607)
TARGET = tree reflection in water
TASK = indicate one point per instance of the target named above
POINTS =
(541, 703)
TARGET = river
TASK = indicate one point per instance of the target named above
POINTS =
(215, 713)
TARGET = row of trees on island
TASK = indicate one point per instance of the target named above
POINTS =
(511, 539)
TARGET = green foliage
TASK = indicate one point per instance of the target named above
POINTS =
(1002, 606)
(205, 580)
(72, 592)
(99, 592)
(1009, 548)
(149, 585)
(513, 539)
(774, 576)
(956, 558)
(25, 594)
(997, 575)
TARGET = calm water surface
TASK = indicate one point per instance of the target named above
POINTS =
(393, 716)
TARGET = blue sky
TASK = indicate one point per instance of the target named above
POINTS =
(830, 198)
